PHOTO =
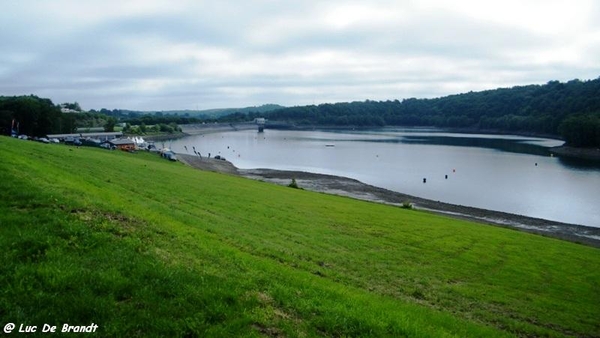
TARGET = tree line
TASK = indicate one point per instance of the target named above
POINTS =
(570, 110)
(33, 116)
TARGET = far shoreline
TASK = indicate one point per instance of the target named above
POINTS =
(352, 188)
(592, 154)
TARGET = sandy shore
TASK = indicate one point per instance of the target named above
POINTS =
(355, 189)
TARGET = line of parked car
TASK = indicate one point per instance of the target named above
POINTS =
(164, 153)
(38, 139)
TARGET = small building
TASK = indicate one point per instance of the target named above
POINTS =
(123, 144)
(260, 121)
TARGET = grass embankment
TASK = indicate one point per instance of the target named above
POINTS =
(142, 246)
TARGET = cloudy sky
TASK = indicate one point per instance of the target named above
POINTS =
(162, 55)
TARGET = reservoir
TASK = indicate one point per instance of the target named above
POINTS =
(512, 174)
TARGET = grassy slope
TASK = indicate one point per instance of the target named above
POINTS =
(142, 246)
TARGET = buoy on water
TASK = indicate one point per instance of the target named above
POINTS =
(446, 176)
(424, 180)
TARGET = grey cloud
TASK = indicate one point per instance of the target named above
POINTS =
(215, 54)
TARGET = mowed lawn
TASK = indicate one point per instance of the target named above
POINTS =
(145, 247)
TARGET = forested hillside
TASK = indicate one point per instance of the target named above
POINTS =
(571, 110)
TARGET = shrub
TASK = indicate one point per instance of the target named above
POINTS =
(293, 184)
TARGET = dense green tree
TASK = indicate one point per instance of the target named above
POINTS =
(110, 124)
(35, 116)
(581, 130)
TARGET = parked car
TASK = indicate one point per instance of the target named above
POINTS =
(91, 142)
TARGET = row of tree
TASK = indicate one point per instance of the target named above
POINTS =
(570, 110)
(153, 119)
(142, 128)
(34, 116)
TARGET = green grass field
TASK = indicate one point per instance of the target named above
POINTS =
(145, 247)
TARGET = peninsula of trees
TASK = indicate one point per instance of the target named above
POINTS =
(569, 110)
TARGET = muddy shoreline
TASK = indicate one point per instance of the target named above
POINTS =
(352, 188)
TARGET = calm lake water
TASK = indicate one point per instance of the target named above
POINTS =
(487, 171)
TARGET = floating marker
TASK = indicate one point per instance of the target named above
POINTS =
(424, 180)
(446, 176)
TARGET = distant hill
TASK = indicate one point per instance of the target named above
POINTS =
(570, 110)
(201, 114)
(219, 112)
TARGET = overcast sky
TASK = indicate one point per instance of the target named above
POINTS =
(162, 55)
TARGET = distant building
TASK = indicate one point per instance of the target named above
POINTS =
(260, 121)
(123, 144)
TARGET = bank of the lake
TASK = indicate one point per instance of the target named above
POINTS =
(592, 154)
(344, 186)
(160, 136)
